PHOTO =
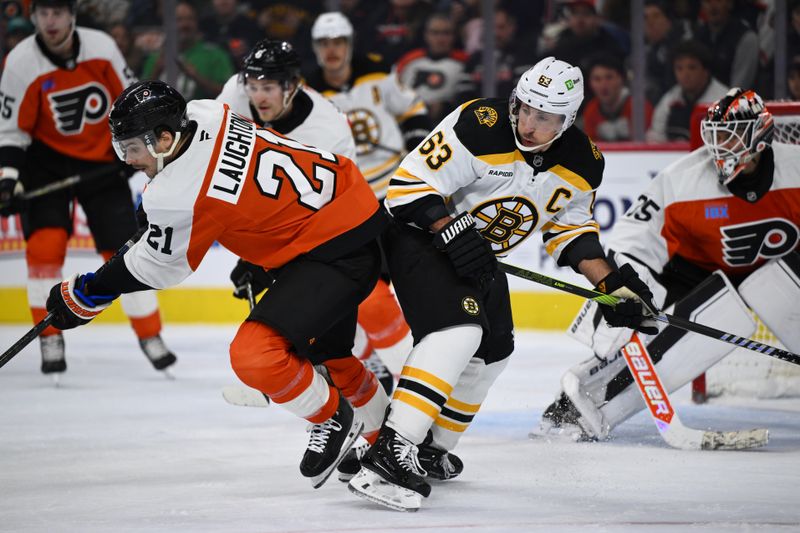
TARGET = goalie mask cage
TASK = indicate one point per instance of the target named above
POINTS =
(743, 372)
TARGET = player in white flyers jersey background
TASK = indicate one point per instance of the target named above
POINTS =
(491, 174)
(57, 88)
(270, 92)
(716, 234)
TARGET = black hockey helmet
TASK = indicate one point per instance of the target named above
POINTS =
(147, 106)
(735, 129)
(71, 4)
(272, 60)
(145, 110)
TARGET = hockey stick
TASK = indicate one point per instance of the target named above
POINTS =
(48, 319)
(666, 419)
(672, 320)
(68, 182)
(243, 395)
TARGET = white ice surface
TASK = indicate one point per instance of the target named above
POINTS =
(118, 448)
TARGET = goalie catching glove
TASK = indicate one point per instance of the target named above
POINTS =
(637, 303)
(470, 253)
(72, 303)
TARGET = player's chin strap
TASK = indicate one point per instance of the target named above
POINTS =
(287, 101)
(160, 156)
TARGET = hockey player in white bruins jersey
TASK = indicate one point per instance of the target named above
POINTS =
(491, 173)
(715, 236)
(385, 117)
(56, 90)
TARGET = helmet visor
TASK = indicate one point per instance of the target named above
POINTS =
(529, 118)
(134, 147)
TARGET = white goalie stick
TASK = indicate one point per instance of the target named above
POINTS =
(672, 430)
(243, 395)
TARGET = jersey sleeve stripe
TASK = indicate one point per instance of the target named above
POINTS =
(375, 171)
(555, 242)
(366, 78)
(405, 174)
(507, 158)
(560, 228)
(394, 194)
(570, 177)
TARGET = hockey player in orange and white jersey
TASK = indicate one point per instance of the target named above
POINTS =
(715, 234)
(303, 213)
(270, 92)
(56, 89)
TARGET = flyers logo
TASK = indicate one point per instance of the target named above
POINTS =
(76, 106)
(744, 244)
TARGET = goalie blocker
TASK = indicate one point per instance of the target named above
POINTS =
(597, 395)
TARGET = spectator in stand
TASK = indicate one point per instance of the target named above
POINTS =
(608, 116)
(584, 35)
(733, 44)
(397, 27)
(204, 67)
(793, 80)
(290, 21)
(510, 62)
(793, 32)
(227, 26)
(134, 56)
(662, 32)
(691, 62)
(16, 29)
(435, 70)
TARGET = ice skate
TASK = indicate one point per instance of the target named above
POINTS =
(53, 361)
(391, 475)
(439, 464)
(375, 365)
(328, 443)
(158, 354)
(561, 421)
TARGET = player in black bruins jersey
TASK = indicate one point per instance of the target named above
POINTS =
(490, 174)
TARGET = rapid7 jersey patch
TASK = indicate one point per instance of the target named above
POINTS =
(76, 105)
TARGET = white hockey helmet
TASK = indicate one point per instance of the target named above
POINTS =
(551, 85)
(330, 26)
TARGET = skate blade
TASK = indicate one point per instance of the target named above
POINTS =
(370, 486)
(56, 379)
(167, 374)
(355, 431)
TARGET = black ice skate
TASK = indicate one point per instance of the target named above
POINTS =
(53, 361)
(439, 464)
(561, 419)
(375, 365)
(391, 474)
(157, 352)
(351, 462)
(328, 443)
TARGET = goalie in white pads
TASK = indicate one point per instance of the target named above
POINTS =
(507, 169)
(716, 235)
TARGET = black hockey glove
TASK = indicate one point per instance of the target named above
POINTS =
(470, 253)
(244, 273)
(11, 201)
(72, 304)
(633, 311)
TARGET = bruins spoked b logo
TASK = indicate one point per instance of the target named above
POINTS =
(470, 306)
(506, 222)
(78, 105)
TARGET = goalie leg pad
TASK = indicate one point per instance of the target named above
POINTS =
(464, 402)
(772, 292)
(608, 397)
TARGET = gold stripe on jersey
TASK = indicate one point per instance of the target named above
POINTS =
(379, 185)
(405, 174)
(507, 158)
(465, 104)
(428, 379)
(383, 167)
(570, 177)
(555, 242)
(416, 109)
(366, 78)
(560, 228)
(395, 193)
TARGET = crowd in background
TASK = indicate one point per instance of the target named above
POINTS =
(695, 49)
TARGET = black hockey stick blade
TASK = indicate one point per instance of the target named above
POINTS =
(69, 182)
(678, 322)
(26, 339)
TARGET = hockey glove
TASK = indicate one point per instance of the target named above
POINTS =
(72, 304)
(633, 311)
(244, 273)
(11, 201)
(470, 253)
